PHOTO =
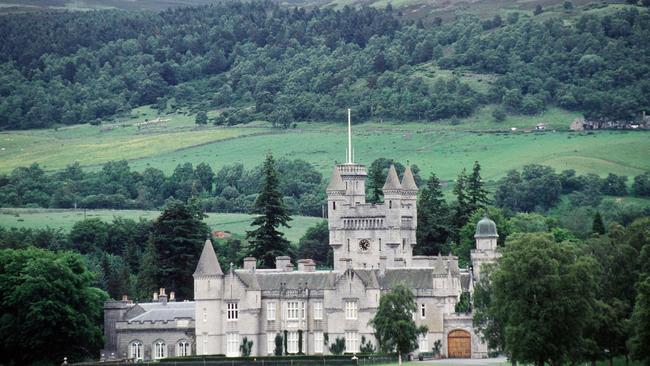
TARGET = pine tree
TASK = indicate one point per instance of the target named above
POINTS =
(179, 234)
(266, 242)
(462, 210)
(477, 195)
(598, 227)
(149, 270)
(433, 219)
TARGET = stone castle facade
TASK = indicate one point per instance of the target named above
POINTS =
(373, 251)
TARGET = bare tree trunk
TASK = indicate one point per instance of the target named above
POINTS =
(399, 358)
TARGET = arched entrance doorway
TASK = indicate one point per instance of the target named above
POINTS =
(459, 344)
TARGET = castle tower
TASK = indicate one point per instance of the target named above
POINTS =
(409, 213)
(208, 295)
(486, 237)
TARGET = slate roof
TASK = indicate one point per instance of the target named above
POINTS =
(413, 278)
(208, 264)
(273, 280)
(408, 182)
(392, 181)
(336, 182)
(158, 311)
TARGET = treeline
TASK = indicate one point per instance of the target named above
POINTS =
(231, 189)
(261, 61)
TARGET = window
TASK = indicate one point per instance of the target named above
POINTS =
(159, 350)
(136, 350)
(351, 342)
(318, 310)
(423, 343)
(423, 311)
(292, 342)
(233, 311)
(318, 342)
(348, 245)
(205, 343)
(334, 205)
(270, 310)
(292, 310)
(184, 348)
(270, 343)
(390, 204)
(302, 310)
(380, 244)
(205, 315)
(351, 310)
(232, 344)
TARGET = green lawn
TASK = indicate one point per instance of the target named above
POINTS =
(64, 219)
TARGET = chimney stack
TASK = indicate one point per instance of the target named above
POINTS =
(125, 298)
(283, 263)
(306, 265)
(155, 297)
(250, 263)
(162, 296)
(172, 296)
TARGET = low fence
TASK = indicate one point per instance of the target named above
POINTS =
(256, 361)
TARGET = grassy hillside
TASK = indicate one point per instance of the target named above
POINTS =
(439, 147)
(64, 219)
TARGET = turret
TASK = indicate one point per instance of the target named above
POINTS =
(392, 191)
(208, 295)
(486, 234)
(335, 194)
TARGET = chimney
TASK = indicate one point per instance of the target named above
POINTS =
(250, 263)
(306, 265)
(125, 298)
(162, 296)
(172, 296)
(283, 263)
(155, 297)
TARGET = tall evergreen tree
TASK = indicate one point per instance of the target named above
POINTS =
(179, 234)
(433, 219)
(266, 242)
(149, 270)
(476, 193)
(462, 209)
(598, 227)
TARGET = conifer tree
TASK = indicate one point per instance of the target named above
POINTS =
(433, 219)
(149, 270)
(476, 193)
(462, 209)
(598, 227)
(266, 242)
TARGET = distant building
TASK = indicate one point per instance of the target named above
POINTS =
(373, 251)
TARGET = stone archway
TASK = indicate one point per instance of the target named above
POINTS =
(459, 344)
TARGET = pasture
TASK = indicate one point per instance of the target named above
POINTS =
(65, 219)
(443, 147)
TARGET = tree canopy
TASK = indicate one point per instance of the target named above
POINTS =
(49, 307)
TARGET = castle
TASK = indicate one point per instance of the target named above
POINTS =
(373, 251)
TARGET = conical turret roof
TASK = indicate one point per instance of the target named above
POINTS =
(208, 264)
(408, 182)
(336, 182)
(392, 181)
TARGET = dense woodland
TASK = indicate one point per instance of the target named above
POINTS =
(261, 61)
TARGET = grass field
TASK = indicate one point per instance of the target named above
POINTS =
(438, 147)
(64, 219)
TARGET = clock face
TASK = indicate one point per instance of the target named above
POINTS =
(364, 244)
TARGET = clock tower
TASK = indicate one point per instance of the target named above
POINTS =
(364, 235)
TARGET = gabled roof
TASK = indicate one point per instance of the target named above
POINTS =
(208, 264)
(318, 280)
(408, 182)
(392, 181)
(336, 182)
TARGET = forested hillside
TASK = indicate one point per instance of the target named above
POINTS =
(262, 61)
